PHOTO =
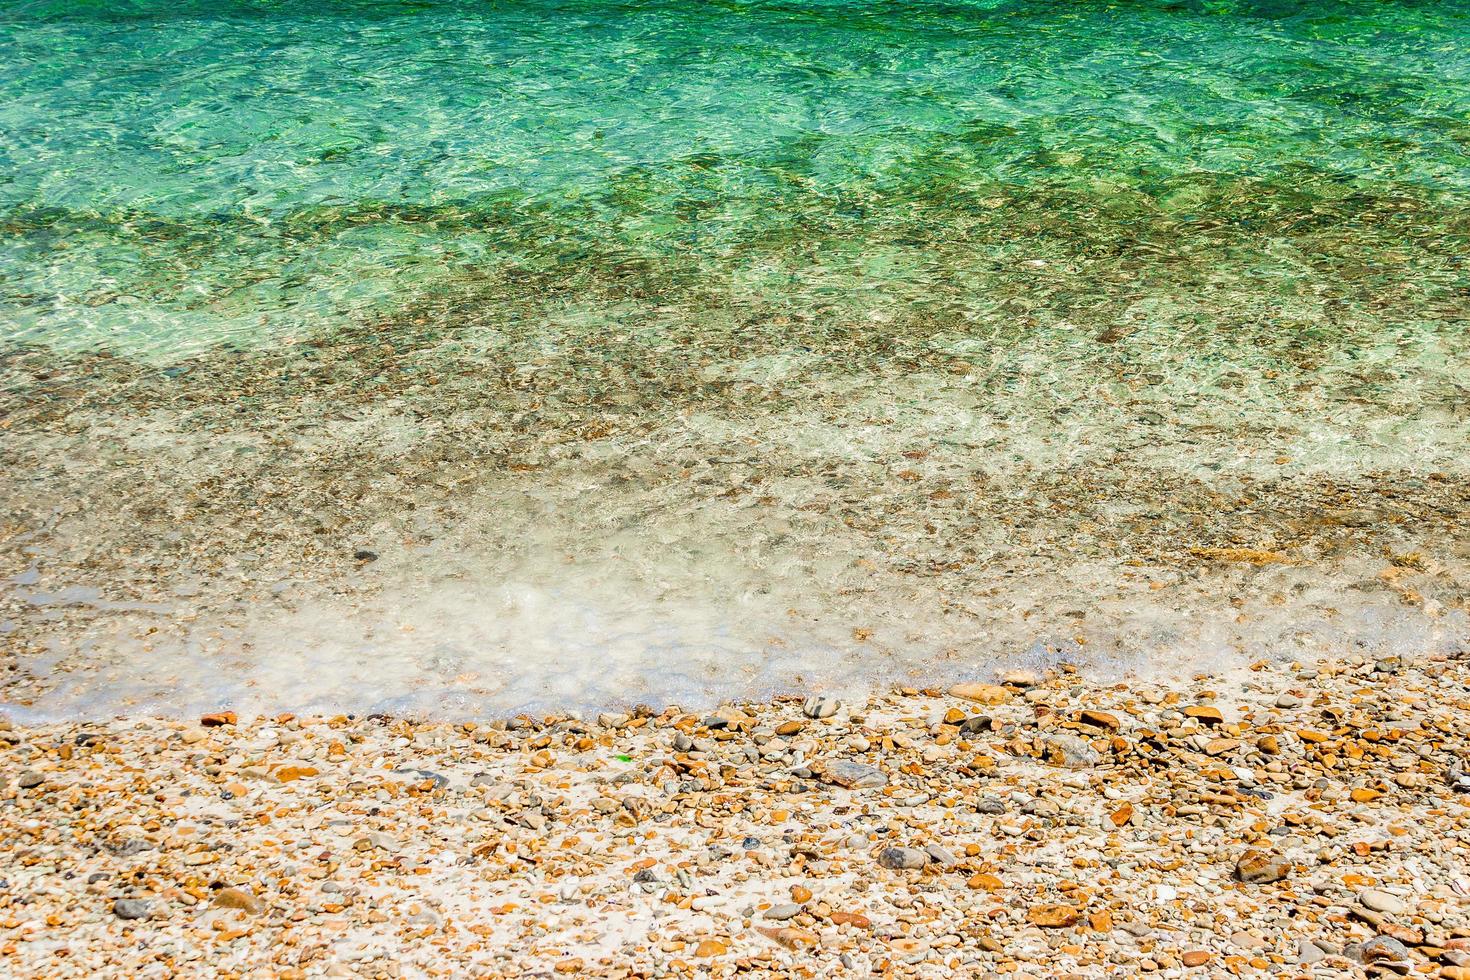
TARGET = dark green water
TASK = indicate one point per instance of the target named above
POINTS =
(668, 349)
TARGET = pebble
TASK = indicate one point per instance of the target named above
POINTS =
(981, 693)
(1309, 952)
(1053, 916)
(1207, 715)
(1069, 751)
(852, 775)
(236, 898)
(132, 908)
(1020, 678)
(819, 706)
(1099, 719)
(1261, 867)
(1378, 950)
(903, 858)
(1381, 901)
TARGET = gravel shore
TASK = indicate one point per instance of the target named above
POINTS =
(1299, 819)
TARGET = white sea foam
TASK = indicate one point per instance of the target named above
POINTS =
(459, 628)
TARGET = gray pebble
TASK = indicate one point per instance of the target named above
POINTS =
(132, 908)
(1380, 949)
(421, 774)
(1381, 901)
(903, 858)
(1070, 752)
(853, 775)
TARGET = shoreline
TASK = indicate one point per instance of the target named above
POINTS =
(1291, 819)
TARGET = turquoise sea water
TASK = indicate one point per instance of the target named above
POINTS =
(660, 349)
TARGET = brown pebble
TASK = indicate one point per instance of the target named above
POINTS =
(1053, 916)
(710, 947)
(981, 693)
(236, 898)
(1261, 867)
(1098, 719)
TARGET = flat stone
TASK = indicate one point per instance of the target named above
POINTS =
(235, 898)
(1308, 953)
(1069, 751)
(1381, 901)
(981, 693)
(132, 908)
(903, 858)
(1098, 719)
(1207, 715)
(1053, 916)
(851, 775)
(1020, 678)
(1039, 807)
(780, 913)
(820, 706)
(1261, 867)
(727, 716)
(128, 846)
(1380, 949)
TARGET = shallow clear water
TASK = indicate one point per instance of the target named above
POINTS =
(668, 350)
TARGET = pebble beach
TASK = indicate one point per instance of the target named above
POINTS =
(768, 488)
(1301, 819)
